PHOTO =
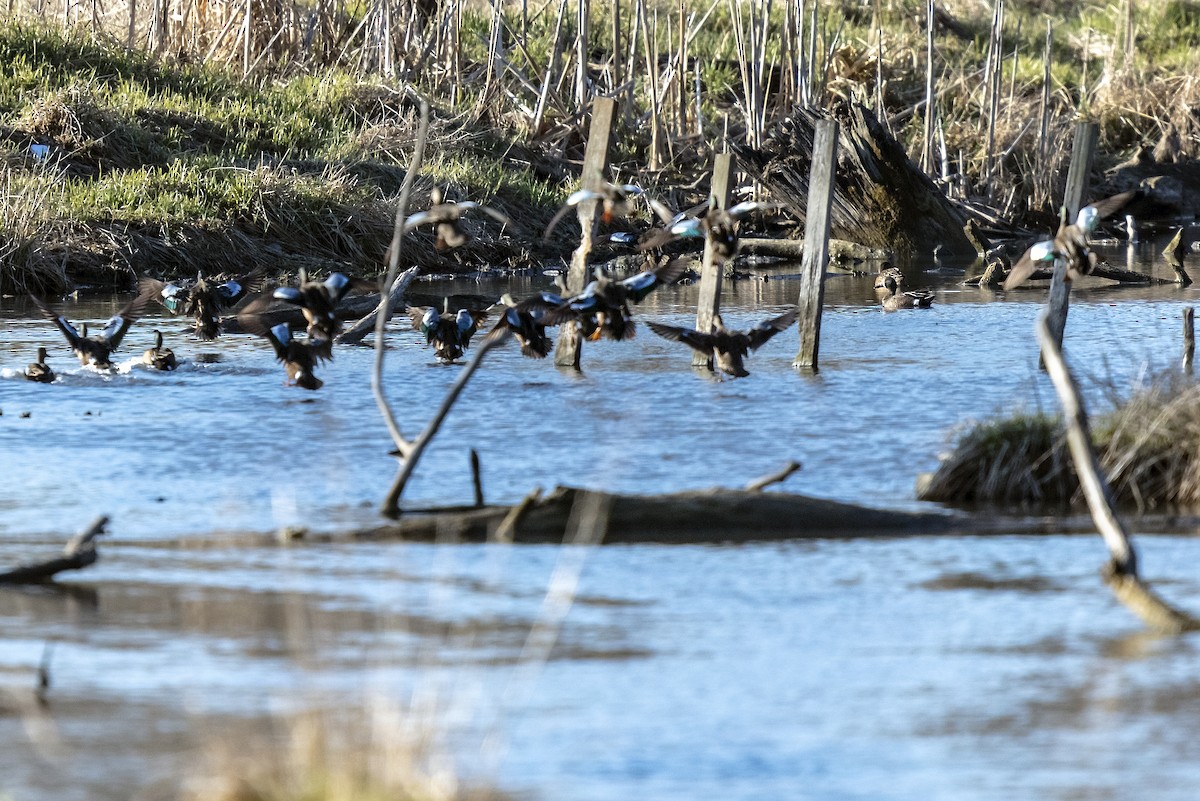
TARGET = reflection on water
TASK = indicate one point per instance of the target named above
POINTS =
(948, 668)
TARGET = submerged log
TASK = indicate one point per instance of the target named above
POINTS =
(882, 200)
(79, 553)
(700, 516)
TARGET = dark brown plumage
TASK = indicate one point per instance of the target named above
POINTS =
(727, 348)
(97, 349)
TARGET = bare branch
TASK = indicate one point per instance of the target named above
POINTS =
(354, 334)
(1121, 573)
(774, 478)
(78, 554)
(384, 312)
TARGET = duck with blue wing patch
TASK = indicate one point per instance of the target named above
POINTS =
(299, 358)
(318, 300)
(602, 308)
(448, 335)
(96, 350)
(1070, 243)
(616, 200)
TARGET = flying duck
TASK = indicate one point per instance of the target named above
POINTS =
(727, 348)
(602, 308)
(318, 300)
(526, 320)
(448, 335)
(445, 215)
(720, 226)
(616, 200)
(1070, 243)
(97, 349)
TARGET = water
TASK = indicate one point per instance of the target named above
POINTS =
(956, 668)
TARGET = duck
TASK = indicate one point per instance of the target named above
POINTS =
(895, 299)
(299, 358)
(616, 200)
(1070, 243)
(204, 299)
(318, 300)
(716, 225)
(445, 215)
(888, 269)
(97, 350)
(450, 336)
(726, 347)
(602, 308)
(526, 320)
(40, 371)
(158, 357)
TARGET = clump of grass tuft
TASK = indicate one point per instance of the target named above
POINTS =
(1015, 459)
(1149, 447)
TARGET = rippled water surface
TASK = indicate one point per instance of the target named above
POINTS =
(956, 668)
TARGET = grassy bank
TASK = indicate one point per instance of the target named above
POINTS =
(201, 135)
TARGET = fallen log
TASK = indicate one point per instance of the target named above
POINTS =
(80, 552)
(699, 516)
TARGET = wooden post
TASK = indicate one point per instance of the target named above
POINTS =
(1057, 305)
(709, 304)
(595, 165)
(476, 479)
(1083, 150)
(1189, 337)
(816, 242)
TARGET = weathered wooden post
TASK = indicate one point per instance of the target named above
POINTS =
(595, 165)
(1189, 337)
(1083, 150)
(709, 304)
(816, 242)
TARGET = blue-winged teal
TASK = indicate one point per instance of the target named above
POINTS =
(1070, 243)
(97, 349)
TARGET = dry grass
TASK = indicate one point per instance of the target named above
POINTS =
(1149, 446)
(377, 754)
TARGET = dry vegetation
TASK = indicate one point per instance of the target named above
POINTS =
(1149, 447)
(189, 132)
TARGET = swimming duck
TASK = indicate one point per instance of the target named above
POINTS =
(40, 371)
(895, 299)
(298, 358)
(526, 320)
(602, 308)
(449, 336)
(720, 226)
(1070, 243)
(616, 200)
(888, 269)
(445, 216)
(727, 348)
(158, 357)
(96, 350)
(319, 300)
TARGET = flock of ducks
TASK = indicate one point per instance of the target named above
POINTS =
(602, 309)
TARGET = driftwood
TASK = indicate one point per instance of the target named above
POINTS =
(701, 516)
(79, 553)
(882, 200)
(839, 249)
(1121, 572)
(355, 333)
